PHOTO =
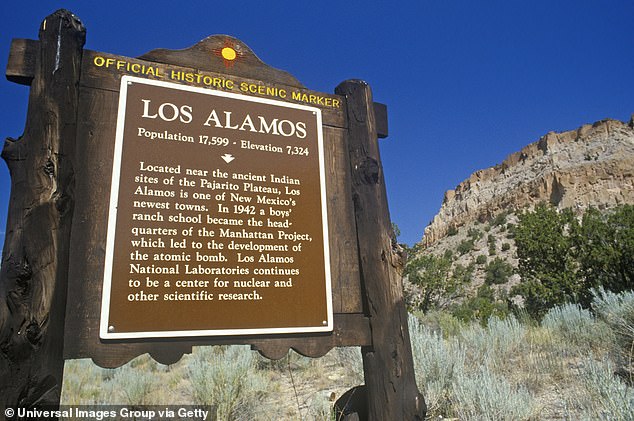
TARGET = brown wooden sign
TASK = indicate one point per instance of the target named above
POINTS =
(217, 220)
(202, 68)
(195, 197)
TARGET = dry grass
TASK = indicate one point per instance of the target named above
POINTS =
(239, 383)
(562, 369)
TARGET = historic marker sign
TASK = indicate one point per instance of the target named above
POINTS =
(209, 198)
(217, 222)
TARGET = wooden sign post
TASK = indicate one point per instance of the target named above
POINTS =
(195, 197)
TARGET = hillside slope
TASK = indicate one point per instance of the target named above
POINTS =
(590, 166)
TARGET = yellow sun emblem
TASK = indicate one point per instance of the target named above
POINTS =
(229, 52)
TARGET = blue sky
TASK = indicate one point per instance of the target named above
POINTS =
(466, 83)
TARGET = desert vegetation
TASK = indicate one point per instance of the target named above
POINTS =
(545, 257)
(544, 315)
(235, 382)
(562, 258)
(528, 317)
(574, 364)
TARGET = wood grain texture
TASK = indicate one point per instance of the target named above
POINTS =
(33, 278)
(380, 117)
(350, 330)
(207, 55)
(22, 61)
(346, 280)
(388, 363)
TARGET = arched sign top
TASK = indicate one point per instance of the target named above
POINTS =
(222, 54)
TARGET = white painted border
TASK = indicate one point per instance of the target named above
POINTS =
(112, 219)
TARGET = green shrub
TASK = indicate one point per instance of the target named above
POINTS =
(431, 274)
(481, 307)
(134, 386)
(320, 408)
(499, 219)
(561, 259)
(437, 365)
(465, 247)
(396, 230)
(577, 326)
(547, 264)
(442, 322)
(462, 275)
(83, 383)
(350, 358)
(492, 241)
(490, 397)
(226, 378)
(474, 234)
(499, 339)
(607, 396)
(498, 272)
(605, 248)
(507, 334)
(481, 259)
(617, 311)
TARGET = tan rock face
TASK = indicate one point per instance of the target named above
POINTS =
(590, 166)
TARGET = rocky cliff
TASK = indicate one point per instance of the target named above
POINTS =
(593, 165)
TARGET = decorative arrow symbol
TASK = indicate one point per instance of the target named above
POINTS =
(227, 157)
